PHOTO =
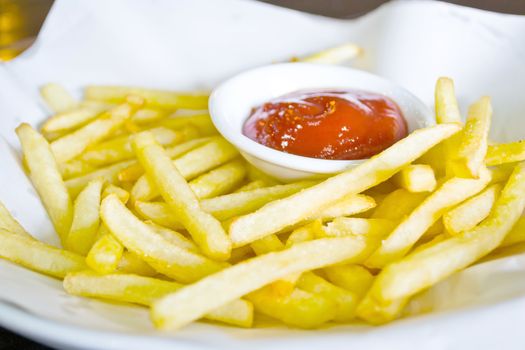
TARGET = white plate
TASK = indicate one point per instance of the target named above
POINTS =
(198, 43)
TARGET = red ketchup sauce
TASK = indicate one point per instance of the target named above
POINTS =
(338, 124)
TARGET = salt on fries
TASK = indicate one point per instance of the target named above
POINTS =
(154, 208)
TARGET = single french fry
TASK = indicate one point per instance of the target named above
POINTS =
(134, 171)
(305, 233)
(502, 153)
(193, 301)
(298, 308)
(354, 278)
(105, 254)
(9, 223)
(174, 237)
(219, 181)
(252, 185)
(349, 205)
(57, 98)
(164, 256)
(469, 156)
(73, 144)
(75, 168)
(267, 244)
(202, 122)
(190, 165)
(145, 290)
(119, 149)
(45, 176)
(342, 227)
(398, 204)
(86, 218)
(132, 263)
(409, 230)
(516, 235)
(71, 119)
(202, 226)
(471, 212)
(375, 314)
(402, 279)
(109, 174)
(279, 214)
(37, 256)
(121, 193)
(447, 109)
(501, 173)
(157, 98)
(416, 178)
(334, 55)
(345, 300)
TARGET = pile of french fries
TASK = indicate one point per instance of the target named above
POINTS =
(154, 208)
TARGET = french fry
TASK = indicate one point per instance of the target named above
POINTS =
(298, 308)
(73, 144)
(416, 178)
(470, 213)
(267, 244)
(86, 219)
(349, 205)
(342, 227)
(45, 176)
(202, 226)
(334, 55)
(174, 237)
(447, 109)
(9, 223)
(164, 256)
(157, 98)
(375, 314)
(57, 98)
(193, 301)
(145, 290)
(71, 119)
(398, 204)
(279, 214)
(190, 165)
(305, 233)
(409, 230)
(75, 168)
(219, 181)
(516, 235)
(469, 156)
(132, 263)
(38, 256)
(121, 193)
(105, 254)
(135, 171)
(501, 173)
(353, 278)
(255, 174)
(252, 185)
(402, 279)
(109, 174)
(345, 300)
(158, 213)
(503, 153)
(119, 149)
(202, 122)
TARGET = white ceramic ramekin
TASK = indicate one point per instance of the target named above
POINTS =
(231, 102)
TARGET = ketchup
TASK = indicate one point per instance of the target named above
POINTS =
(339, 124)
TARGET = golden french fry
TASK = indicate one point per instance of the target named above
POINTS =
(157, 98)
(71, 119)
(219, 181)
(190, 165)
(105, 254)
(470, 213)
(353, 278)
(298, 308)
(73, 144)
(267, 244)
(419, 270)
(516, 235)
(202, 122)
(305, 233)
(252, 185)
(447, 109)
(469, 156)
(416, 178)
(334, 55)
(397, 204)
(109, 174)
(279, 214)
(158, 213)
(37, 256)
(192, 302)
(45, 176)
(203, 227)
(9, 223)
(145, 290)
(86, 219)
(132, 263)
(164, 256)
(376, 314)
(409, 230)
(75, 168)
(342, 227)
(57, 98)
(121, 193)
(174, 237)
(349, 205)
(503, 153)
(345, 300)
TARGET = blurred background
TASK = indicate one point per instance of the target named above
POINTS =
(20, 20)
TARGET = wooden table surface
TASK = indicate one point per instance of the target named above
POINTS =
(20, 21)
